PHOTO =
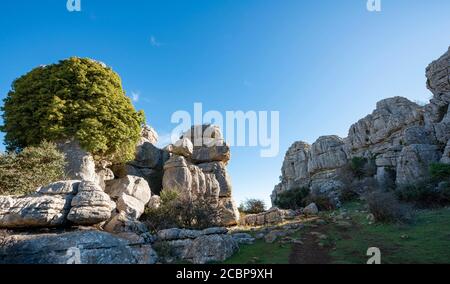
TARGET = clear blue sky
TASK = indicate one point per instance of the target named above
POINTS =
(323, 64)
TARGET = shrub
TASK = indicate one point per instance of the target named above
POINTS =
(425, 194)
(323, 202)
(348, 194)
(252, 206)
(357, 165)
(21, 173)
(363, 167)
(180, 211)
(293, 199)
(440, 172)
(386, 208)
(76, 98)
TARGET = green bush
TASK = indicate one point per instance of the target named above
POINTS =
(440, 172)
(22, 173)
(179, 211)
(323, 202)
(252, 206)
(348, 195)
(76, 98)
(363, 167)
(425, 194)
(294, 199)
(387, 209)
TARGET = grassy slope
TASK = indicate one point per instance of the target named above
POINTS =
(425, 240)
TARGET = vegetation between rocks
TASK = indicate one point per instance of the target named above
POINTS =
(22, 173)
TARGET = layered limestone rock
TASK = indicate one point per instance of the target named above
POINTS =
(55, 205)
(402, 138)
(414, 162)
(200, 171)
(48, 207)
(271, 217)
(148, 163)
(131, 193)
(197, 247)
(79, 247)
(91, 205)
(314, 166)
(294, 173)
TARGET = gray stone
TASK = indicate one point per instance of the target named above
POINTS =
(80, 164)
(311, 209)
(92, 247)
(211, 248)
(34, 211)
(414, 161)
(91, 205)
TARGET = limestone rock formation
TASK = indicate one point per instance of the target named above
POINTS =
(131, 193)
(197, 247)
(148, 163)
(79, 247)
(202, 173)
(91, 205)
(80, 164)
(148, 135)
(414, 162)
(401, 137)
(271, 217)
(48, 207)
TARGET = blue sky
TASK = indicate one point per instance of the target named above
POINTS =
(322, 64)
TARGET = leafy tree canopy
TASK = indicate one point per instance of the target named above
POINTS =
(77, 98)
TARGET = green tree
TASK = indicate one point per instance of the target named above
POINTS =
(76, 98)
(252, 206)
(294, 198)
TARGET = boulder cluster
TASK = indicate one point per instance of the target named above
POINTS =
(400, 136)
(110, 199)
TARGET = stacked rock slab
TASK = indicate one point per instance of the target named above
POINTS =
(131, 194)
(197, 168)
(402, 137)
(314, 166)
(58, 204)
(148, 162)
(271, 217)
(91, 205)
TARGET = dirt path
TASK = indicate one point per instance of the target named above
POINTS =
(310, 252)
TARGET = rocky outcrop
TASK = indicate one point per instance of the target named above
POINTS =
(48, 207)
(148, 135)
(401, 137)
(91, 205)
(59, 204)
(197, 247)
(80, 164)
(148, 163)
(200, 171)
(131, 194)
(314, 166)
(79, 247)
(271, 217)
(414, 162)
